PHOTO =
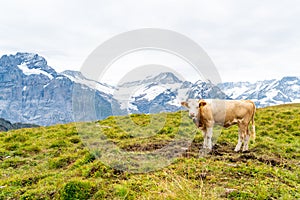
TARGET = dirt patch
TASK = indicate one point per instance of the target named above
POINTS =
(223, 148)
(225, 151)
(220, 151)
(144, 147)
(192, 150)
(243, 158)
(172, 145)
(275, 162)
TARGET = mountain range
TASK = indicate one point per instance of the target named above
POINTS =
(33, 92)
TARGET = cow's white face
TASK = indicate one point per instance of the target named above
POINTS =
(193, 106)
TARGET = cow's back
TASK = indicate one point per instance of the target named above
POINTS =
(229, 112)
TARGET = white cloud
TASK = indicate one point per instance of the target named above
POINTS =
(241, 37)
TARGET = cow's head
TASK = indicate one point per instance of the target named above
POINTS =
(194, 107)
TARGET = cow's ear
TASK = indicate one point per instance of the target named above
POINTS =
(202, 103)
(185, 104)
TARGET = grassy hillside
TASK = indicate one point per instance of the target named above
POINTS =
(53, 162)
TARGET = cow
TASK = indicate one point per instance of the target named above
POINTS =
(206, 114)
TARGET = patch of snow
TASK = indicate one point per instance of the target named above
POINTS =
(174, 102)
(36, 117)
(28, 71)
(149, 93)
(235, 91)
(269, 101)
(130, 106)
(182, 94)
(45, 85)
(295, 87)
(272, 84)
(127, 105)
(91, 84)
(152, 92)
(292, 82)
(271, 94)
(123, 105)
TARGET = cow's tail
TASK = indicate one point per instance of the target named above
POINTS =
(253, 134)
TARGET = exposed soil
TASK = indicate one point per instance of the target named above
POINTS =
(145, 147)
(221, 151)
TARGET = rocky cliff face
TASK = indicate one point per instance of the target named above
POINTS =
(32, 92)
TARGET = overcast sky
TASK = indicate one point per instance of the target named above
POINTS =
(247, 40)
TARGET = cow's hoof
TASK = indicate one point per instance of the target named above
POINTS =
(204, 152)
(237, 150)
(246, 151)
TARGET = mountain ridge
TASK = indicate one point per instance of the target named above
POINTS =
(6, 125)
(42, 96)
(33, 92)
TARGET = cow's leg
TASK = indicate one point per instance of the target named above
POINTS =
(204, 139)
(241, 138)
(206, 148)
(209, 138)
(246, 140)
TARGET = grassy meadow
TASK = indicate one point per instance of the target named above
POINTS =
(63, 162)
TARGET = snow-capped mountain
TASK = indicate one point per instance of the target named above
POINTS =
(163, 93)
(265, 93)
(77, 77)
(142, 96)
(161, 78)
(206, 90)
(33, 92)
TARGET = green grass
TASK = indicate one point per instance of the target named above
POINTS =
(55, 163)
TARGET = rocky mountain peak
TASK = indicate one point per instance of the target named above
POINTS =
(72, 73)
(161, 78)
(29, 62)
(166, 78)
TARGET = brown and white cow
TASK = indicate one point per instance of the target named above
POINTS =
(206, 114)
